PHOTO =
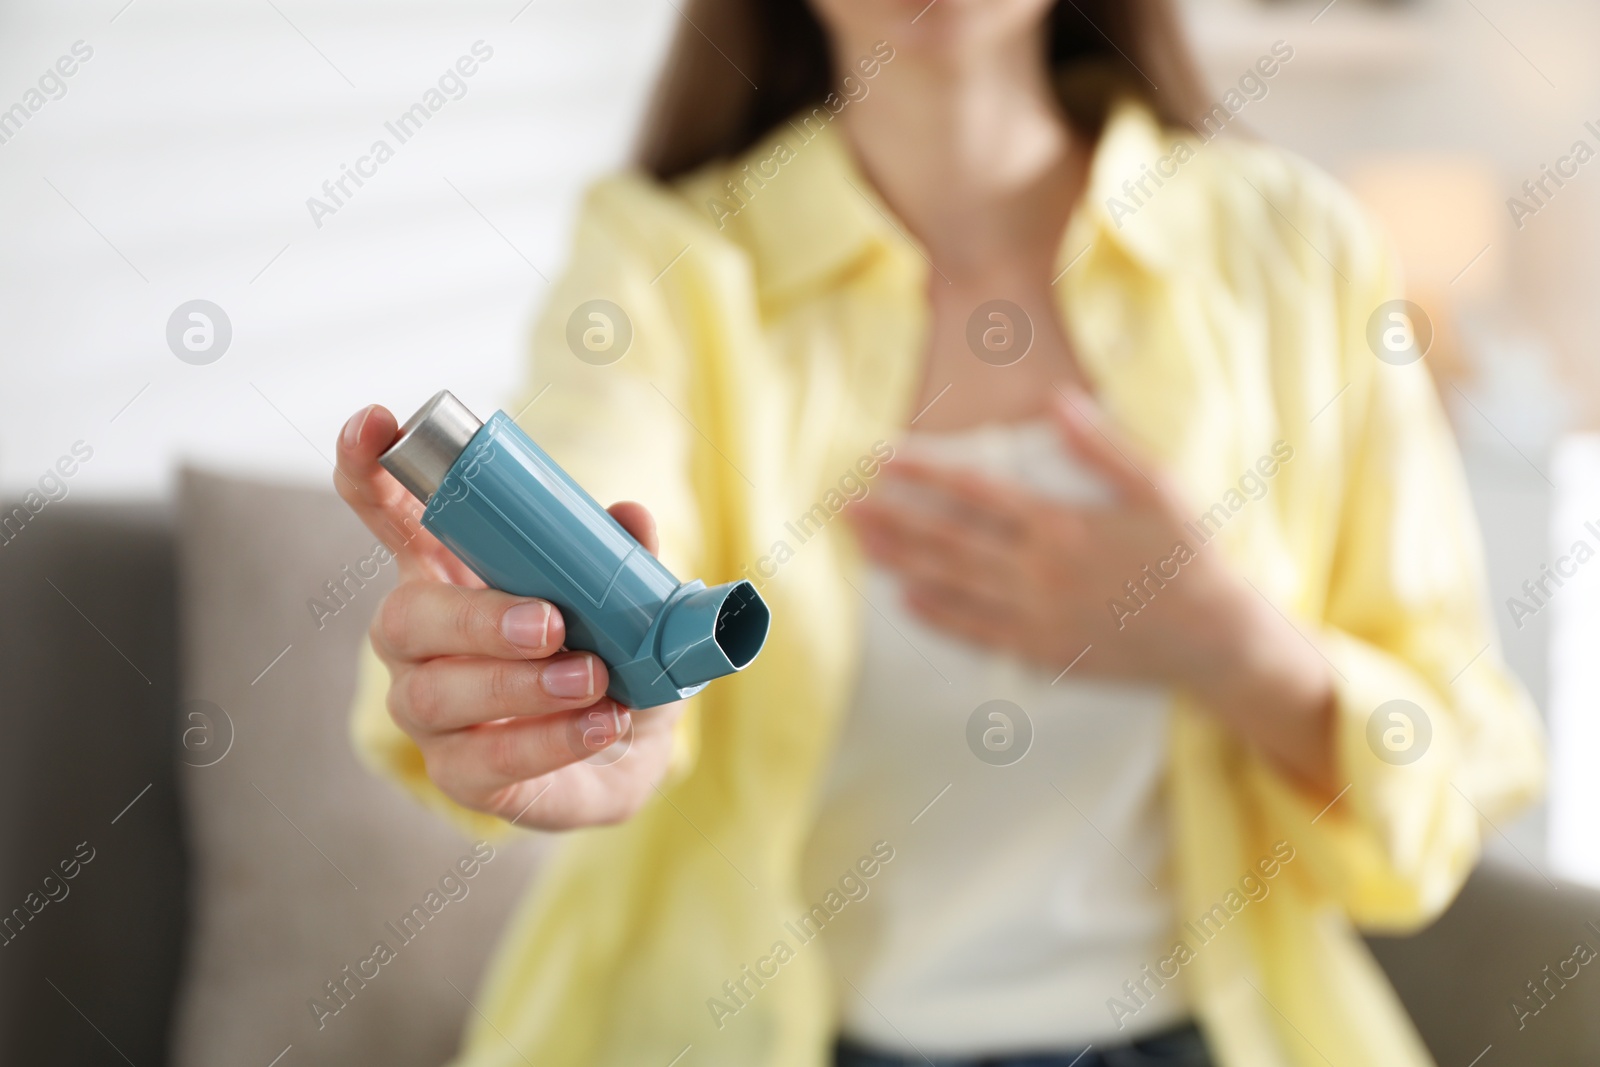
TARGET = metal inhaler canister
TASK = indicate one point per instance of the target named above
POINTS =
(509, 512)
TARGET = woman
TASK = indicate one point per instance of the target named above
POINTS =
(1144, 675)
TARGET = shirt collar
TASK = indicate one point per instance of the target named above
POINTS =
(801, 205)
(805, 211)
(1136, 199)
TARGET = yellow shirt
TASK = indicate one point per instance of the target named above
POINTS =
(776, 339)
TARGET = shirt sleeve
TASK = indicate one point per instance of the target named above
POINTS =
(610, 398)
(1435, 739)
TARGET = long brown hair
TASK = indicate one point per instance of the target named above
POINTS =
(707, 105)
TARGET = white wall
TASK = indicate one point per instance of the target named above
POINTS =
(191, 141)
(1575, 666)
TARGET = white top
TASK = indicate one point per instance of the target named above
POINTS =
(1020, 897)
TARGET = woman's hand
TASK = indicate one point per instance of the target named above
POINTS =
(504, 718)
(1124, 586)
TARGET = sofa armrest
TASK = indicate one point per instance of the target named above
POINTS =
(1460, 978)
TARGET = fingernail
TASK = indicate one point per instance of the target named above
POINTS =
(569, 677)
(527, 625)
(606, 728)
(353, 428)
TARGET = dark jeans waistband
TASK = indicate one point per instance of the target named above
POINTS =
(1180, 1047)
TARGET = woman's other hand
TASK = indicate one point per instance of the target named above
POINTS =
(505, 719)
(1007, 568)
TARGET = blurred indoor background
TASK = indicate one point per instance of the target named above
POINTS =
(177, 160)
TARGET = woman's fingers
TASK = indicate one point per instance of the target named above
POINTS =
(637, 520)
(984, 623)
(454, 692)
(1102, 446)
(383, 504)
(422, 619)
(481, 761)
(907, 537)
(371, 491)
(933, 564)
(944, 490)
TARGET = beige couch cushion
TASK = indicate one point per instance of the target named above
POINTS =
(303, 861)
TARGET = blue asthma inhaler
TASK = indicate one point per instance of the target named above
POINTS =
(509, 512)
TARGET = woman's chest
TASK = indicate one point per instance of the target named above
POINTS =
(995, 352)
(1202, 392)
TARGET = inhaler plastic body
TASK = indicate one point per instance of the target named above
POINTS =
(509, 512)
